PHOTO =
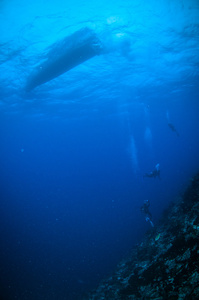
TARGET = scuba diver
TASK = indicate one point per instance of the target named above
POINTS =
(145, 209)
(172, 127)
(155, 173)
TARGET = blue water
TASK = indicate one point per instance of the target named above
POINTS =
(74, 150)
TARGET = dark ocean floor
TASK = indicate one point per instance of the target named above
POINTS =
(165, 265)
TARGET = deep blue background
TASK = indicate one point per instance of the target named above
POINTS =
(74, 150)
(70, 194)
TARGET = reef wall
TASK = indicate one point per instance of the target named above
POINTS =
(166, 264)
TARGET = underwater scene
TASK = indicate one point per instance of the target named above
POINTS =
(99, 155)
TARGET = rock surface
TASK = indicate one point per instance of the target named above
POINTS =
(166, 264)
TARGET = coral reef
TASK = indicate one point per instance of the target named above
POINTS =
(166, 264)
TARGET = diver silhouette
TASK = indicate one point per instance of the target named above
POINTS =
(155, 173)
(145, 209)
(172, 127)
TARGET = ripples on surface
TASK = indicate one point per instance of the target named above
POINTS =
(149, 47)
